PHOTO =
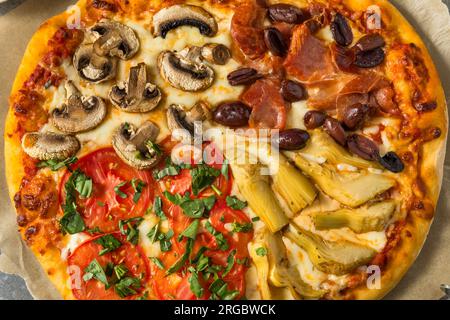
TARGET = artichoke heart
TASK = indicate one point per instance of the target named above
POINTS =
(361, 220)
(293, 186)
(255, 188)
(282, 274)
(351, 190)
(321, 145)
(337, 258)
(262, 268)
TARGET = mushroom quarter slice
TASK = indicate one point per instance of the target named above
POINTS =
(50, 145)
(114, 39)
(184, 73)
(184, 15)
(137, 94)
(92, 67)
(178, 118)
(136, 146)
(78, 113)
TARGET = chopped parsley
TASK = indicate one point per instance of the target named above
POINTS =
(130, 229)
(119, 192)
(230, 263)
(164, 238)
(72, 222)
(109, 243)
(241, 227)
(202, 177)
(234, 203)
(220, 238)
(157, 262)
(254, 219)
(138, 186)
(191, 231)
(224, 170)
(95, 271)
(55, 165)
(193, 208)
(157, 208)
(194, 283)
(219, 290)
(127, 286)
(181, 261)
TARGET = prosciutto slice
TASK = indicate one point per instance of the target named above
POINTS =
(309, 60)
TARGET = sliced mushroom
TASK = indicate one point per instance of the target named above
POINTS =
(50, 145)
(185, 73)
(137, 94)
(178, 118)
(114, 39)
(92, 67)
(136, 146)
(184, 15)
(214, 53)
(78, 113)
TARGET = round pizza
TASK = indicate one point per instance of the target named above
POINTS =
(226, 149)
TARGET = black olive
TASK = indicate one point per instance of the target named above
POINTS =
(392, 162)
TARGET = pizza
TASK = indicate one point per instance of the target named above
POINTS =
(225, 149)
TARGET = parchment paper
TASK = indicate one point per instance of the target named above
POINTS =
(432, 268)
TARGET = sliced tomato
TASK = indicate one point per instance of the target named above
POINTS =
(106, 207)
(127, 254)
(220, 216)
(269, 108)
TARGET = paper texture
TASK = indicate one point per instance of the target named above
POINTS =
(431, 19)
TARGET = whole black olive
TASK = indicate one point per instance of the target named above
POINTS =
(292, 139)
(232, 114)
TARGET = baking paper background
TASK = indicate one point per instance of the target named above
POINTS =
(432, 268)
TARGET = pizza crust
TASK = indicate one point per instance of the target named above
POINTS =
(401, 257)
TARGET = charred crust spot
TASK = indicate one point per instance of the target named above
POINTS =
(418, 205)
(31, 231)
(104, 5)
(17, 200)
(22, 220)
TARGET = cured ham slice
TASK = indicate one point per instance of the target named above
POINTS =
(309, 59)
(268, 107)
(247, 30)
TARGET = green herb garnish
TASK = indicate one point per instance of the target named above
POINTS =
(138, 186)
(95, 271)
(55, 165)
(234, 203)
(220, 238)
(109, 243)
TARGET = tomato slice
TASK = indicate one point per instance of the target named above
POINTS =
(220, 216)
(106, 207)
(129, 255)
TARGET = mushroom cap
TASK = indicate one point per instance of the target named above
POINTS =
(137, 94)
(50, 145)
(78, 113)
(92, 67)
(114, 39)
(131, 145)
(184, 74)
(179, 118)
(184, 15)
